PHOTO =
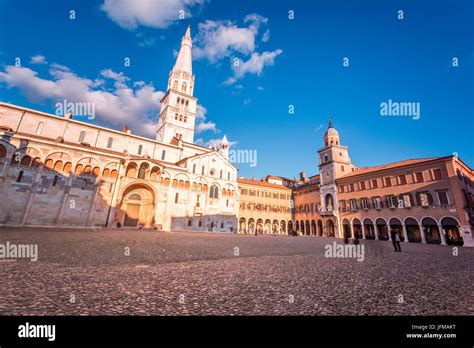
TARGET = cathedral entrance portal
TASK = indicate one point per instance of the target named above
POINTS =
(137, 206)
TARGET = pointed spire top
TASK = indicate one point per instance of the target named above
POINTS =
(188, 32)
(224, 140)
(330, 122)
(184, 59)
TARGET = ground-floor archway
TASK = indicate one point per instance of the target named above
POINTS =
(369, 229)
(357, 229)
(451, 230)
(413, 230)
(396, 226)
(431, 231)
(330, 228)
(137, 206)
(382, 229)
(320, 228)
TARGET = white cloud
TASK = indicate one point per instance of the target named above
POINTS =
(260, 88)
(255, 64)
(221, 39)
(266, 36)
(202, 125)
(138, 108)
(217, 40)
(38, 59)
(129, 14)
(217, 143)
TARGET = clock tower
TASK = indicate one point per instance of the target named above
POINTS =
(334, 162)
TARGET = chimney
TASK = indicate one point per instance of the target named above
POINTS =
(303, 177)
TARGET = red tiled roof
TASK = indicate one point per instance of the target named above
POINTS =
(260, 183)
(393, 165)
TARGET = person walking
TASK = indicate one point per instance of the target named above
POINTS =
(396, 240)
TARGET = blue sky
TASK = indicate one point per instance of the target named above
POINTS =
(285, 62)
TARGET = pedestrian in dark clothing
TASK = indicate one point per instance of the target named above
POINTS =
(396, 240)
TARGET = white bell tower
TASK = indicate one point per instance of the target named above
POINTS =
(178, 106)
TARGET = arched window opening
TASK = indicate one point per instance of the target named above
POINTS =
(176, 197)
(82, 136)
(79, 169)
(58, 166)
(214, 192)
(39, 129)
(3, 151)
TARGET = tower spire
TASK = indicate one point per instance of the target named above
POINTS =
(184, 59)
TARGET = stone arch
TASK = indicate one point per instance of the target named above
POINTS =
(275, 225)
(131, 170)
(267, 228)
(346, 229)
(369, 228)
(243, 225)
(137, 205)
(451, 229)
(251, 225)
(320, 228)
(396, 225)
(412, 227)
(382, 228)
(330, 230)
(313, 228)
(431, 230)
(283, 226)
(357, 228)
(259, 225)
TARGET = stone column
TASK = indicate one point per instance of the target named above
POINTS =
(422, 233)
(31, 196)
(90, 217)
(5, 167)
(114, 198)
(67, 189)
(405, 233)
(376, 232)
(441, 235)
(363, 231)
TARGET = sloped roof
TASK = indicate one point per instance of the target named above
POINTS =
(367, 170)
(260, 183)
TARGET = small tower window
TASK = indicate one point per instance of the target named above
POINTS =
(109, 143)
(194, 169)
(82, 136)
(140, 148)
(39, 129)
(183, 87)
(163, 155)
(175, 85)
(326, 158)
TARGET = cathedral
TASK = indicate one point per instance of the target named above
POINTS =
(57, 171)
(61, 172)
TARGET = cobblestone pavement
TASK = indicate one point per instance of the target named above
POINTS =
(217, 274)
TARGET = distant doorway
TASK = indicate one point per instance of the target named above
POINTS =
(131, 215)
